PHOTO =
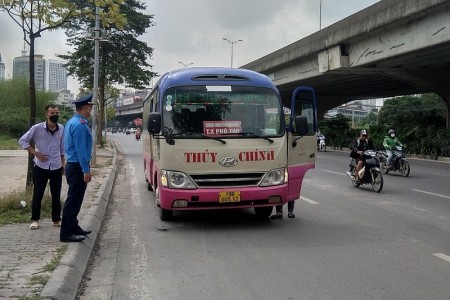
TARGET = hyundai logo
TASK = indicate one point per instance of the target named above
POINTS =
(228, 162)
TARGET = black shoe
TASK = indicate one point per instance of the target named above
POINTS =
(291, 215)
(81, 231)
(71, 239)
(276, 216)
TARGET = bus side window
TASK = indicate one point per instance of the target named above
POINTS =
(156, 106)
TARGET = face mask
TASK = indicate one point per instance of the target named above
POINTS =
(54, 118)
(392, 134)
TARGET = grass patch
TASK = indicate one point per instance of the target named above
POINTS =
(39, 279)
(11, 211)
(42, 279)
(51, 266)
(8, 143)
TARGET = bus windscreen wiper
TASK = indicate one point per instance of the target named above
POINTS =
(214, 138)
(258, 136)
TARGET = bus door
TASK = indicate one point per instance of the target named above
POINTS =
(302, 144)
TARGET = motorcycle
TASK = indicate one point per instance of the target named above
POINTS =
(321, 146)
(370, 173)
(399, 162)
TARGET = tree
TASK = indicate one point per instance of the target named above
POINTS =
(15, 104)
(110, 113)
(337, 130)
(123, 58)
(36, 16)
(410, 111)
(419, 122)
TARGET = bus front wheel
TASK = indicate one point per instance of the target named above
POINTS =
(165, 214)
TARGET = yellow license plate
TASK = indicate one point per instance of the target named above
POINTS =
(225, 197)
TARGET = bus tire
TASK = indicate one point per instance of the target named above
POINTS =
(149, 186)
(263, 212)
(165, 214)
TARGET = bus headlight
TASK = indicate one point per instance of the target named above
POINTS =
(275, 177)
(176, 180)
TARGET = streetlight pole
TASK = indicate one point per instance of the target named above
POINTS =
(185, 65)
(232, 44)
(320, 15)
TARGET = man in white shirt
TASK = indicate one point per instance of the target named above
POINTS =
(49, 163)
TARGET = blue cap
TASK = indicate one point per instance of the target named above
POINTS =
(83, 100)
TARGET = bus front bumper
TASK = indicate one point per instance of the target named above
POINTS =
(242, 197)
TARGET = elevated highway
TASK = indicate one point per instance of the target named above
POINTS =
(127, 113)
(392, 48)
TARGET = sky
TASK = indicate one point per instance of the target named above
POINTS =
(192, 32)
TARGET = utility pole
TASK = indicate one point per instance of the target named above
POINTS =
(97, 39)
(95, 96)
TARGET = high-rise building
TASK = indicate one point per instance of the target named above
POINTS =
(21, 66)
(2, 69)
(65, 97)
(55, 76)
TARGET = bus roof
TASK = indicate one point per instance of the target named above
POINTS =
(214, 76)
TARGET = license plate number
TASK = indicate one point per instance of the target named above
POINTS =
(225, 197)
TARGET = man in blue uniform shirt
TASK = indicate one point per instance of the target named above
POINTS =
(78, 148)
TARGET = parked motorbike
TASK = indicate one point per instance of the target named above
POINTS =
(370, 173)
(399, 162)
(322, 146)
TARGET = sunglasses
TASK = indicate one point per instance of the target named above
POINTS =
(364, 135)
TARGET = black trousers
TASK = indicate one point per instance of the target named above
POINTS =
(75, 196)
(291, 204)
(40, 179)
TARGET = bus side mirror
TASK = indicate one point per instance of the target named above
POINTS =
(154, 123)
(301, 125)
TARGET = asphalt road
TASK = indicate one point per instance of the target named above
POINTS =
(345, 243)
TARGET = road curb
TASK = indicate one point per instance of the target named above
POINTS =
(64, 282)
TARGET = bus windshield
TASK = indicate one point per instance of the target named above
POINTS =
(223, 111)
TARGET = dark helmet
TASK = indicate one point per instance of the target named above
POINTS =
(391, 131)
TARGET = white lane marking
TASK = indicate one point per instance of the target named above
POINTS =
(135, 196)
(429, 193)
(442, 256)
(338, 173)
(308, 200)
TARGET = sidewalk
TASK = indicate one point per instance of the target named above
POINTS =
(25, 253)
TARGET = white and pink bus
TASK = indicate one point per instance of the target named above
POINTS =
(219, 138)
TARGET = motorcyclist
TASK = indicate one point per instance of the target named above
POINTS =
(138, 133)
(360, 145)
(319, 135)
(389, 143)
